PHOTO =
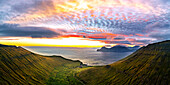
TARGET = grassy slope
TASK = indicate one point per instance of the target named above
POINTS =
(149, 65)
(65, 74)
(19, 66)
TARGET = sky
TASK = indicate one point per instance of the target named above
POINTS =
(84, 23)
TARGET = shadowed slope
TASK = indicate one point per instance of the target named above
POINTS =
(149, 65)
(19, 66)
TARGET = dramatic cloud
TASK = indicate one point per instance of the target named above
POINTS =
(118, 42)
(159, 30)
(34, 32)
(119, 38)
(137, 22)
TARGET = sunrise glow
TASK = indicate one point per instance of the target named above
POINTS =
(63, 42)
(85, 23)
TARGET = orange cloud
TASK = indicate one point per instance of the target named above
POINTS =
(66, 8)
(140, 34)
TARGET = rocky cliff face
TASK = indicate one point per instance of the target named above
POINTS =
(149, 65)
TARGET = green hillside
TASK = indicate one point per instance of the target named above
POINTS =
(149, 65)
(19, 66)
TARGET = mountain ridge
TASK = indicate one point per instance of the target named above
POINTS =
(149, 65)
(117, 48)
(20, 66)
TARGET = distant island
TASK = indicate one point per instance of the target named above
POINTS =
(148, 65)
(118, 48)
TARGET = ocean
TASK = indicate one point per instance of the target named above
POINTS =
(88, 56)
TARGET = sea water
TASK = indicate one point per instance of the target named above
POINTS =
(88, 56)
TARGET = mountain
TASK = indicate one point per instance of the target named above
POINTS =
(133, 48)
(1, 45)
(149, 65)
(117, 48)
(20, 66)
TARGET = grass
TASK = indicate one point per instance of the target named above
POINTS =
(65, 75)
(147, 66)
(19, 66)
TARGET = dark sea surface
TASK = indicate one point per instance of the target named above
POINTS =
(88, 56)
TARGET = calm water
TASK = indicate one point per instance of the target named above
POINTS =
(88, 56)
